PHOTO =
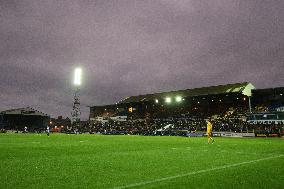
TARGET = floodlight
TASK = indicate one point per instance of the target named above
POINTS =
(168, 100)
(157, 101)
(178, 98)
(76, 103)
(77, 76)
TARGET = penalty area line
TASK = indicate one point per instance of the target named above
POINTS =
(195, 172)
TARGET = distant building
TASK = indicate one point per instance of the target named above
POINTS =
(59, 123)
(17, 119)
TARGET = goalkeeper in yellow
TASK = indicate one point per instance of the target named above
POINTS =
(209, 131)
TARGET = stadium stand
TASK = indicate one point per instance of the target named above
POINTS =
(184, 112)
(17, 119)
(233, 108)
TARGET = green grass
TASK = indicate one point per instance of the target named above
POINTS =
(92, 161)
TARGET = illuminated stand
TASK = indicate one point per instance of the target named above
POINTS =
(76, 104)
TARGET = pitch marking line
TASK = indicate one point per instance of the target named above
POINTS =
(194, 173)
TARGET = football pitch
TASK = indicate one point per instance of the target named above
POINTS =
(118, 162)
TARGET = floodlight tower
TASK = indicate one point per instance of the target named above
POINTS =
(76, 104)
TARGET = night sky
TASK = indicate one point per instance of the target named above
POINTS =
(128, 47)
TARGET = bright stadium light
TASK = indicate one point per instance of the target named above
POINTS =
(77, 76)
(178, 99)
(168, 100)
(157, 101)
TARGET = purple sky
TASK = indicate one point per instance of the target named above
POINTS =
(128, 47)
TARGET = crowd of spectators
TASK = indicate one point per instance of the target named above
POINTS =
(229, 120)
(179, 122)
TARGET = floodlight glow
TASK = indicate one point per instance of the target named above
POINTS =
(178, 98)
(77, 76)
(157, 101)
(168, 100)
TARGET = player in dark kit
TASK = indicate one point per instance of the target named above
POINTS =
(47, 131)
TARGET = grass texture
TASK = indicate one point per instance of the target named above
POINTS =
(116, 162)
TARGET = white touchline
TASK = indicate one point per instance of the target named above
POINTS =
(194, 173)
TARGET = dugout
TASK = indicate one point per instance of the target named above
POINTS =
(17, 119)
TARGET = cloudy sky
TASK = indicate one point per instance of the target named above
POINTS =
(129, 47)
